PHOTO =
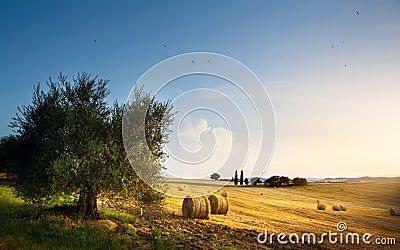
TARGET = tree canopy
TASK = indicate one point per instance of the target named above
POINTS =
(70, 142)
(215, 176)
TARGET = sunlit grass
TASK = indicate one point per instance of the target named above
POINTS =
(26, 227)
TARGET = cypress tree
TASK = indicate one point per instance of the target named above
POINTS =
(236, 178)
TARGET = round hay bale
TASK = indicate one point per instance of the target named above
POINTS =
(335, 208)
(321, 206)
(196, 208)
(224, 194)
(219, 204)
(393, 212)
(343, 208)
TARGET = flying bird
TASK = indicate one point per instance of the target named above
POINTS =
(332, 46)
(165, 45)
(95, 40)
(41, 18)
(345, 65)
(358, 13)
(193, 61)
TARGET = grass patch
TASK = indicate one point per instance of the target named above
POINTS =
(160, 242)
(59, 227)
(25, 227)
(120, 216)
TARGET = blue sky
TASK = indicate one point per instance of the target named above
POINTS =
(336, 108)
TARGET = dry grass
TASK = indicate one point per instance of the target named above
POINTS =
(290, 210)
(193, 188)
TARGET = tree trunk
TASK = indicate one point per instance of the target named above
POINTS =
(87, 205)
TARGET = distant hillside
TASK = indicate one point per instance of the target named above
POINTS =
(358, 179)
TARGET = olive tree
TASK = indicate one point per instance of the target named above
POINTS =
(73, 143)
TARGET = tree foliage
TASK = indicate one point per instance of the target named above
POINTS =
(274, 181)
(236, 178)
(277, 181)
(299, 181)
(215, 176)
(255, 181)
(144, 144)
(71, 143)
(284, 180)
(9, 154)
(38, 130)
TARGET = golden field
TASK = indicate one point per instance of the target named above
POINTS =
(294, 209)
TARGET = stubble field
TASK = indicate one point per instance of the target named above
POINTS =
(294, 209)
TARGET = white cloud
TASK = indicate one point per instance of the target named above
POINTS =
(198, 150)
(189, 134)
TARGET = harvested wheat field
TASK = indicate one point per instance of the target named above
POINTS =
(294, 209)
